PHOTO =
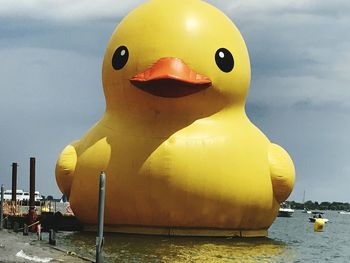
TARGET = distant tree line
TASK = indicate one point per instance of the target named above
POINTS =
(320, 206)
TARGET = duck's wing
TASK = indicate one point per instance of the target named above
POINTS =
(65, 168)
(282, 172)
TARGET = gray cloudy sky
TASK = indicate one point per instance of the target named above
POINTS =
(50, 83)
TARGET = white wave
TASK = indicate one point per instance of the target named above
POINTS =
(21, 254)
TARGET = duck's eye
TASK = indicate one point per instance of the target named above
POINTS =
(224, 60)
(120, 57)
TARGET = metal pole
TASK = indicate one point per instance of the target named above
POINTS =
(2, 207)
(101, 209)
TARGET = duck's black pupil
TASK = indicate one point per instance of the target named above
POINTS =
(224, 60)
(120, 57)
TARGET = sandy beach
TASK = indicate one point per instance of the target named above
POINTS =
(14, 247)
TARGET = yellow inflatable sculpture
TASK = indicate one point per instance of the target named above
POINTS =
(180, 155)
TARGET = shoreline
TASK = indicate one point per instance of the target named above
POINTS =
(14, 247)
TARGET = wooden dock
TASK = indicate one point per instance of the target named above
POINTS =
(49, 214)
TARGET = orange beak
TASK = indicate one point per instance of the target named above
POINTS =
(170, 78)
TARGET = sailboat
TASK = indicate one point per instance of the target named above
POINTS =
(305, 210)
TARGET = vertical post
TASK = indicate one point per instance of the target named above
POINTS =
(52, 237)
(2, 207)
(14, 189)
(14, 182)
(25, 230)
(39, 232)
(32, 216)
(32, 183)
(101, 209)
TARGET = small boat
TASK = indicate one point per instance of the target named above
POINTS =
(8, 195)
(285, 210)
(306, 211)
(344, 212)
(317, 215)
(22, 195)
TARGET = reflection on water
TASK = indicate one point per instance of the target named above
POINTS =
(290, 240)
(138, 248)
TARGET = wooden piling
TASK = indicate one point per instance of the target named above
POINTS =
(25, 230)
(2, 207)
(32, 216)
(32, 183)
(52, 237)
(14, 182)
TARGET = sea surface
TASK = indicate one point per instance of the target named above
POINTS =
(290, 240)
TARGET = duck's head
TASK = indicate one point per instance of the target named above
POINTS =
(182, 56)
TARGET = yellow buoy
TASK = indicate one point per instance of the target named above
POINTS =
(319, 225)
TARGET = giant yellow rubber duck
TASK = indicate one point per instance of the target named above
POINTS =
(180, 155)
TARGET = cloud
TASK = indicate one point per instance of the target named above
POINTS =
(66, 10)
(317, 139)
(48, 99)
(299, 50)
(51, 89)
(281, 8)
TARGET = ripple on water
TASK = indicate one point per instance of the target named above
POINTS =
(290, 240)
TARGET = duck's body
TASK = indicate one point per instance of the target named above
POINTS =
(191, 161)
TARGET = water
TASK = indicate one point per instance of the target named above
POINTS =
(290, 240)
